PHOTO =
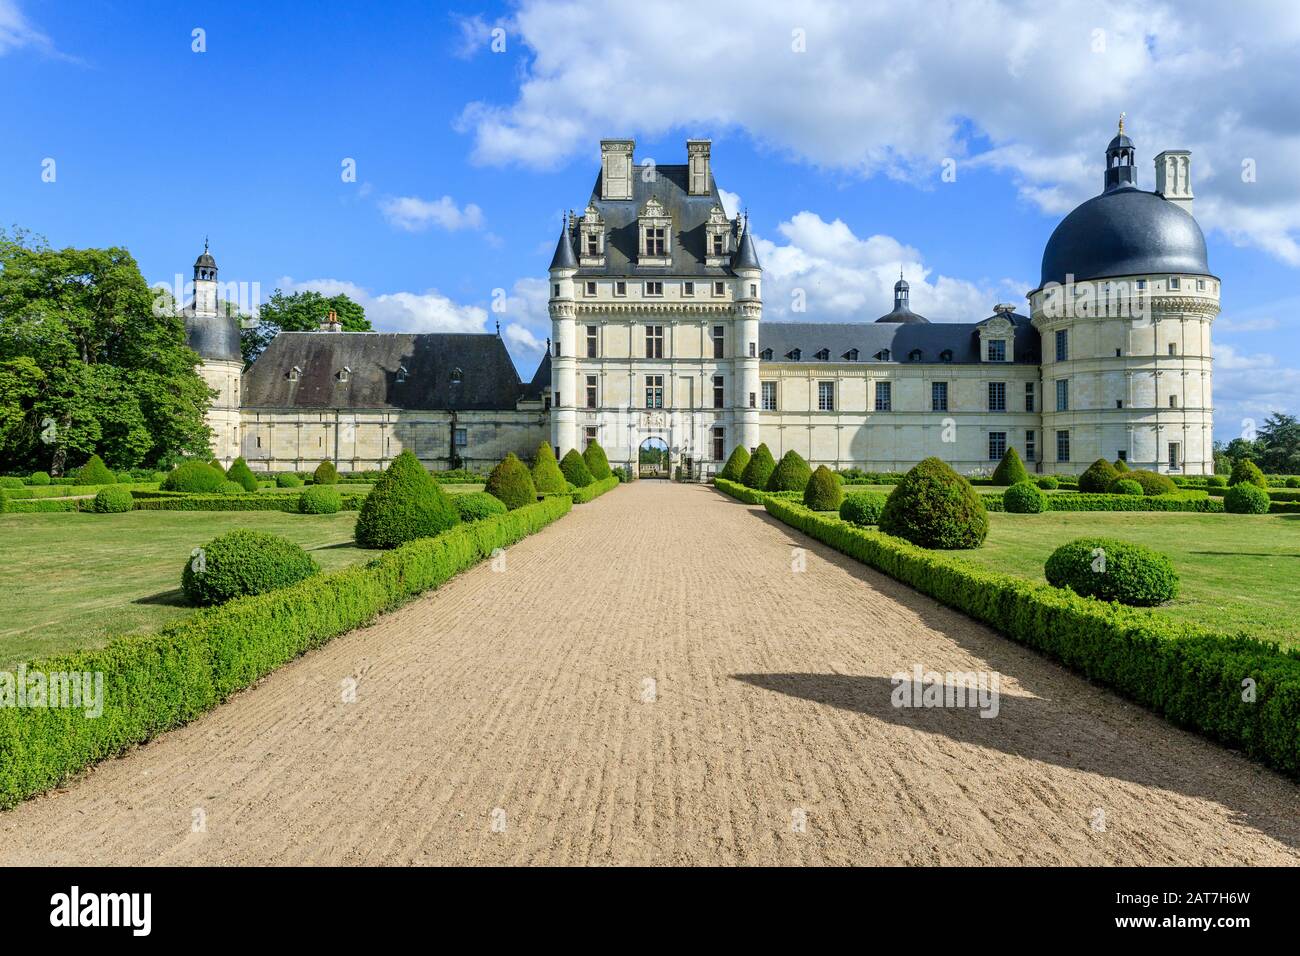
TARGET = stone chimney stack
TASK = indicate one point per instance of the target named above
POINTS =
(331, 323)
(1174, 177)
(616, 168)
(700, 177)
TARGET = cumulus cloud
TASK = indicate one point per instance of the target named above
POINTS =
(17, 32)
(428, 311)
(413, 214)
(1248, 387)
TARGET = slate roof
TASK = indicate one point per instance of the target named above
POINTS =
(215, 338)
(900, 338)
(746, 256)
(564, 257)
(541, 384)
(488, 377)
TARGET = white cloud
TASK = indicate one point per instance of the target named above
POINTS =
(1250, 386)
(413, 214)
(17, 32)
(730, 202)
(1029, 89)
(429, 311)
(475, 34)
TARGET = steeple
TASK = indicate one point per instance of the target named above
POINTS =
(1120, 168)
(564, 257)
(901, 289)
(205, 283)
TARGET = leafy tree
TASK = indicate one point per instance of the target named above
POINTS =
(299, 312)
(1280, 437)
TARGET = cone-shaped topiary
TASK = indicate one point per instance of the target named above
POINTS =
(759, 469)
(596, 461)
(547, 477)
(243, 562)
(823, 491)
(1097, 478)
(1010, 470)
(935, 507)
(575, 469)
(326, 474)
(406, 504)
(195, 477)
(1244, 470)
(790, 474)
(1024, 498)
(1246, 499)
(95, 472)
(511, 483)
(1120, 465)
(240, 472)
(734, 469)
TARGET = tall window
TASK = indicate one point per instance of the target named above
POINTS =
(997, 350)
(718, 333)
(752, 347)
(719, 443)
(826, 396)
(588, 436)
(1175, 455)
(719, 288)
(997, 445)
(593, 244)
(1173, 348)
(1063, 446)
(591, 391)
(591, 341)
(1062, 394)
(884, 396)
(1062, 345)
(719, 392)
(461, 437)
(654, 341)
(655, 241)
(654, 288)
(938, 396)
(1029, 396)
(1031, 445)
(997, 396)
(654, 391)
(769, 396)
(1173, 401)
(717, 244)
(688, 288)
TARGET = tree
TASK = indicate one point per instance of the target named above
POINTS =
(1280, 437)
(299, 312)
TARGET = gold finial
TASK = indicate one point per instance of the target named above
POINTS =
(1121, 123)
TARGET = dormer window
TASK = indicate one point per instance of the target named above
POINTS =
(456, 376)
(294, 373)
(765, 355)
(851, 355)
(655, 229)
(945, 355)
(882, 355)
(344, 373)
(401, 374)
(824, 355)
(717, 237)
(794, 355)
(914, 355)
(591, 229)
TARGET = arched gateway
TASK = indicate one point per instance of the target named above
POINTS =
(652, 458)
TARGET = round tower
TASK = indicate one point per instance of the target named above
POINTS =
(749, 311)
(215, 337)
(564, 346)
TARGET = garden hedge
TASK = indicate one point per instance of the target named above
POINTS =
(264, 502)
(327, 474)
(1024, 498)
(1190, 675)
(1097, 477)
(935, 507)
(195, 477)
(319, 500)
(1247, 472)
(581, 496)
(240, 472)
(1125, 486)
(113, 499)
(1246, 498)
(863, 508)
(512, 483)
(95, 472)
(243, 562)
(1113, 570)
(596, 461)
(477, 505)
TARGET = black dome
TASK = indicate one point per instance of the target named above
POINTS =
(1122, 232)
(215, 338)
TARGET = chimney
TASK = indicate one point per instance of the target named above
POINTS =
(1174, 177)
(699, 179)
(1004, 308)
(616, 168)
(331, 324)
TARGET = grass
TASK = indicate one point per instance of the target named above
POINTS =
(1237, 572)
(70, 581)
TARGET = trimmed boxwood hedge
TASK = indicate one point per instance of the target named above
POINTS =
(1024, 498)
(1246, 471)
(790, 474)
(823, 491)
(1125, 486)
(575, 469)
(145, 501)
(1190, 675)
(547, 477)
(511, 482)
(154, 682)
(405, 504)
(243, 562)
(1152, 483)
(38, 478)
(863, 508)
(233, 488)
(477, 505)
(320, 500)
(1010, 470)
(1113, 570)
(935, 507)
(759, 469)
(1246, 499)
(1048, 482)
(591, 492)
(114, 499)
(734, 469)
(1216, 481)
(287, 479)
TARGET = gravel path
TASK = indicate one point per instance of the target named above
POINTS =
(649, 681)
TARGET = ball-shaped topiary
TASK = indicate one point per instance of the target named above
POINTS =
(547, 477)
(575, 470)
(287, 479)
(824, 492)
(1097, 478)
(1246, 499)
(1293, 482)
(1216, 481)
(1024, 498)
(934, 507)
(195, 477)
(597, 463)
(113, 499)
(511, 483)
(790, 474)
(95, 472)
(1125, 486)
(1152, 483)
(240, 472)
(477, 505)
(243, 562)
(39, 478)
(232, 488)
(1120, 465)
(326, 473)
(405, 504)
(319, 500)
(759, 469)
(1113, 571)
(863, 507)
(1010, 470)
(1049, 482)
(734, 469)
(1246, 470)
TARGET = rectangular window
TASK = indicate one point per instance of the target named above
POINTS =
(938, 396)
(718, 338)
(1200, 285)
(753, 347)
(997, 350)
(620, 288)
(462, 437)
(654, 288)
(588, 436)
(769, 396)
(593, 244)
(591, 341)
(719, 288)
(1063, 446)
(654, 341)
(1029, 396)
(884, 396)
(719, 443)
(1141, 284)
(1175, 283)
(591, 391)
(753, 290)
(997, 445)
(654, 240)
(557, 399)
(557, 348)
(997, 396)
(1031, 445)
(1062, 394)
(1119, 403)
(826, 396)
(719, 392)
(753, 400)
(591, 289)
(688, 288)
(716, 240)
(1173, 401)
(654, 391)
(1175, 455)
(555, 290)
(1173, 348)
(1062, 345)
(1122, 454)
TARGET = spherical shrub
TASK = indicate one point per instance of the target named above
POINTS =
(597, 463)
(39, 478)
(1246, 499)
(862, 508)
(1024, 498)
(1120, 465)
(734, 469)
(113, 499)
(243, 562)
(1293, 482)
(1152, 483)
(547, 477)
(1010, 470)
(1216, 481)
(1246, 470)
(477, 505)
(287, 479)
(325, 474)
(1125, 486)
(406, 504)
(574, 469)
(759, 469)
(1113, 571)
(232, 488)
(790, 474)
(319, 500)
(1048, 482)
(824, 491)
(1097, 478)
(935, 507)
(240, 472)
(511, 483)
(95, 472)
(195, 477)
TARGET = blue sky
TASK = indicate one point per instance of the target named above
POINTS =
(466, 158)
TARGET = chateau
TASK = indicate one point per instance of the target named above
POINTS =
(656, 304)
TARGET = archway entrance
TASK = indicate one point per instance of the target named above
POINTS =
(652, 459)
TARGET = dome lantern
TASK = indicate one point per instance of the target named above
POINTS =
(1121, 167)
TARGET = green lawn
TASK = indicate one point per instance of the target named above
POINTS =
(75, 580)
(1237, 572)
